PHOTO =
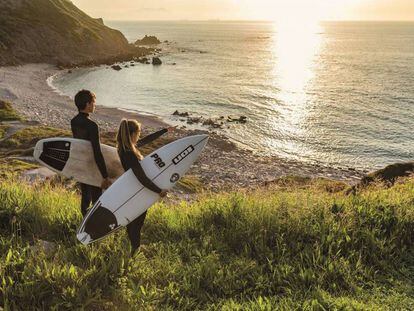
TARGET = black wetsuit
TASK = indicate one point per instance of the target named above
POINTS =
(85, 128)
(130, 161)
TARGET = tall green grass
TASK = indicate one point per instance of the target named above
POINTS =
(286, 248)
(7, 113)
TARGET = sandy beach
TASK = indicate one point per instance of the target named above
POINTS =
(223, 164)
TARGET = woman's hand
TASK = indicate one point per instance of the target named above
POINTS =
(172, 128)
(163, 193)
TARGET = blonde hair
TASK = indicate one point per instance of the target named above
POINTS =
(123, 138)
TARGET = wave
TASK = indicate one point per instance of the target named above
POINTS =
(50, 81)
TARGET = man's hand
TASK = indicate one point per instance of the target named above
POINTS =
(163, 193)
(172, 128)
(106, 183)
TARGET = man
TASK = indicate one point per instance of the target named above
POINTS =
(84, 128)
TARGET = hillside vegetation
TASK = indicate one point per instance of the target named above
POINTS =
(299, 244)
(56, 31)
(280, 248)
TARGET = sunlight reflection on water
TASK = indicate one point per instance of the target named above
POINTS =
(337, 93)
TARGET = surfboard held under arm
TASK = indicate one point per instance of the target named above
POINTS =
(127, 198)
(74, 158)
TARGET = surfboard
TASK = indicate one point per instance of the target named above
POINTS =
(127, 198)
(74, 158)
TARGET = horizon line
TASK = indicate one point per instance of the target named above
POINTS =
(259, 20)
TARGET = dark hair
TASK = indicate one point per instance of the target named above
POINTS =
(82, 98)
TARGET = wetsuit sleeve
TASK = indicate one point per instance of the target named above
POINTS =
(71, 128)
(151, 137)
(97, 153)
(136, 167)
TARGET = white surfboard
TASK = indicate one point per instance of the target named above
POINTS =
(127, 198)
(74, 158)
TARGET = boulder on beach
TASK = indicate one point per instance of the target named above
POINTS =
(212, 123)
(116, 67)
(148, 40)
(142, 60)
(181, 114)
(192, 120)
(241, 119)
(156, 61)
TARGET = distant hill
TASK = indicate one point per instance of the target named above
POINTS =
(56, 31)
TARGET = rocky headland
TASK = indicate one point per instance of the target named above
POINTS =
(57, 32)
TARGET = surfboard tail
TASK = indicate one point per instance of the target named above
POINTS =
(54, 154)
(84, 238)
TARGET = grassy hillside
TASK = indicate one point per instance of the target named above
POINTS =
(282, 248)
(56, 31)
(7, 113)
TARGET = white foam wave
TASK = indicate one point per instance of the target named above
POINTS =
(50, 81)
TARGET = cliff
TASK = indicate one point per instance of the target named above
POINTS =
(56, 31)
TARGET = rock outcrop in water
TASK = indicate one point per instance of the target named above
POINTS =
(148, 40)
(57, 32)
(156, 61)
(216, 123)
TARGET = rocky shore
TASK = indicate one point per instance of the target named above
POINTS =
(223, 165)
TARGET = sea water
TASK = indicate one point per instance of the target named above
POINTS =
(334, 93)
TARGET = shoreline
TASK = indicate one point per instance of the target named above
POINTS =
(27, 88)
(223, 165)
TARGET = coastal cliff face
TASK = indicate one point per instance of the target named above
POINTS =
(56, 31)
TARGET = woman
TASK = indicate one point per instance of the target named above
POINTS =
(127, 143)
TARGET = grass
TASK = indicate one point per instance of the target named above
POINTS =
(287, 248)
(3, 130)
(8, 166)
(27, 138)
(7, 113)
(190, 184)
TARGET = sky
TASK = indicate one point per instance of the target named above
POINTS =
(277, 10)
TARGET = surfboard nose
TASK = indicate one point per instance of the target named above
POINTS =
(204, 138)
(203, 141)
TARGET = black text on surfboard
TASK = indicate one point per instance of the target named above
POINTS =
(158, 160)
(183, 154)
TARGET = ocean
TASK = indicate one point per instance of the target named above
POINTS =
(333, 93)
